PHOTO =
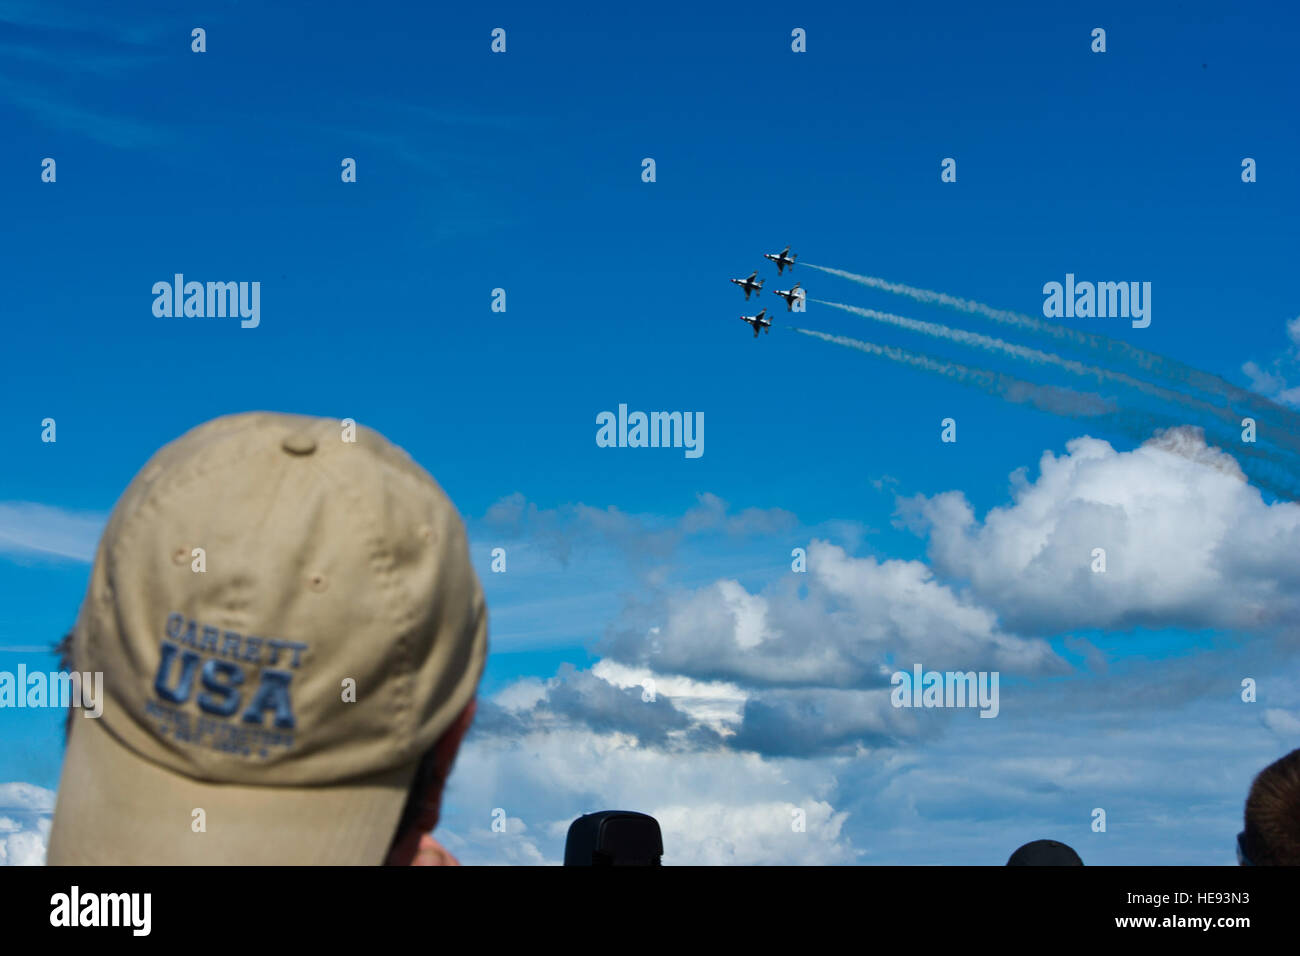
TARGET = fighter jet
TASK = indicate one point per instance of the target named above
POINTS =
(790, 295)
(752, 284)
(758, 322)
(782, 259)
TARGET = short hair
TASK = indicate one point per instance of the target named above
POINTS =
(63, 650)
(1272, 833)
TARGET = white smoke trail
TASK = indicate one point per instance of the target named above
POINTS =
(931, 297)
(1050, 398)
(1036, 356)
(1170, 370)
(1265, 468)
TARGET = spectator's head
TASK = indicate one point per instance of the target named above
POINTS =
(1272, 833)
(614, 838)
(1045, 853)
(290, 635)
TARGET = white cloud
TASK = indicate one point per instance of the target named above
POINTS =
(26, 797)
(27, 528)
(515, 845)
(715, 704)
(25, 811)
(790, 671)
(521, 695)
(1282, 722)
(755, 834)
(854, 617)
(1185, 545)
(1271, 379)
(719, 805)
(1172, 780)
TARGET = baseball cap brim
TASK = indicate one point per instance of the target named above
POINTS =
(117, 808)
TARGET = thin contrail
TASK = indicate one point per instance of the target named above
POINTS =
(1038, 357)
(1263, 466)
(1050, 398)
(1171, 370)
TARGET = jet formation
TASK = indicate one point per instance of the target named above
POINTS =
(752, 283)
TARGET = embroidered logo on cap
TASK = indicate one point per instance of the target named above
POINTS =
(235, 681)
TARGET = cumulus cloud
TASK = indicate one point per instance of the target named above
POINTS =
(713, 807)
(817, 721)
(801, 665)
(789, 674)
(1185, 545)
(507, 841)
(1172, 785)
(848, 623)
(798, 669)
(575, 698)
(756, 834)
(714, 704)
(1270, 379)
(25, 811)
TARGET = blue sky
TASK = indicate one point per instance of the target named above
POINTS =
(522, 171)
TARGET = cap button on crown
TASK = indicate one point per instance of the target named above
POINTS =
(299, 444)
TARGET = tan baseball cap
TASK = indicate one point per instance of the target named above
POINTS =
(286, 618)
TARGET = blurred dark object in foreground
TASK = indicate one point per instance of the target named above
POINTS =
(614, 838)
(1045, 853)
